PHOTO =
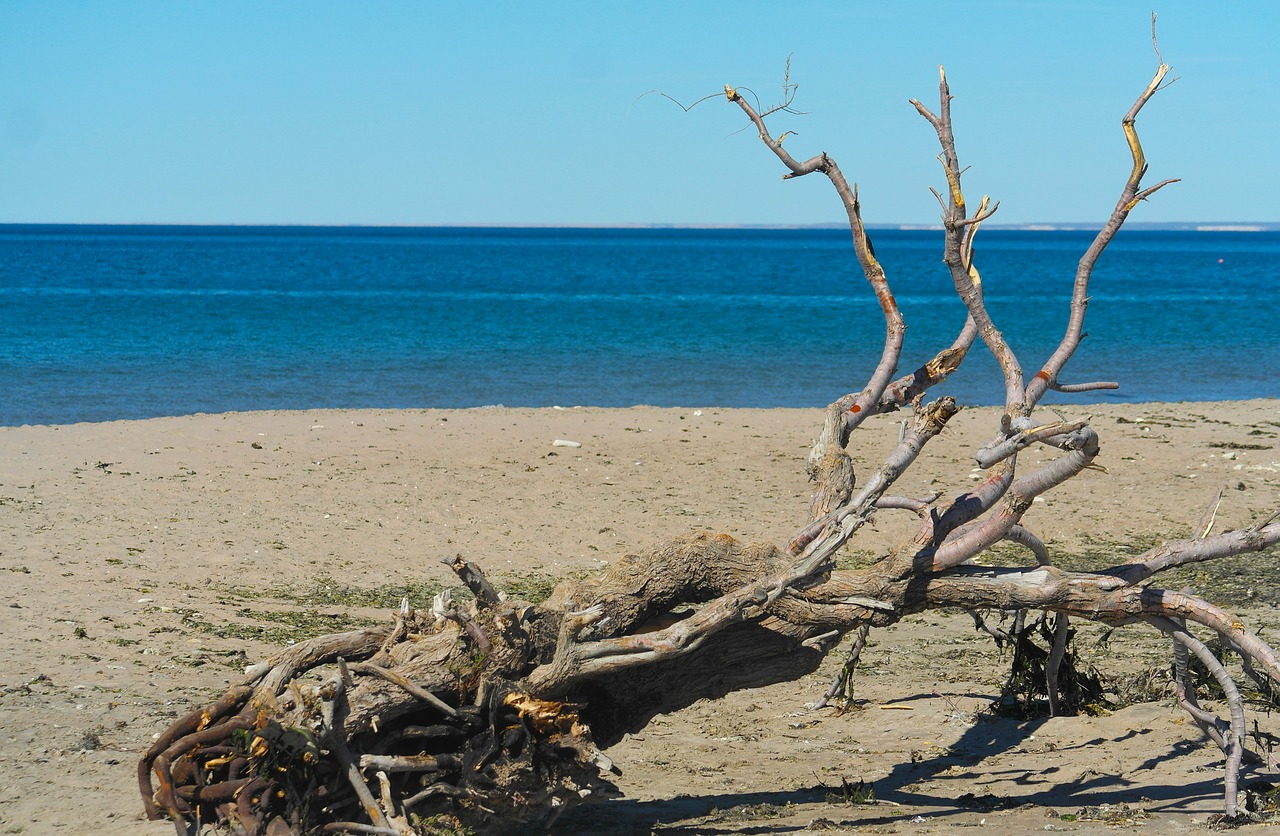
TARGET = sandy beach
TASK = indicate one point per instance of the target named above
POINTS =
(145, 563)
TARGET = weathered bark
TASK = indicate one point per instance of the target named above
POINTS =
(492, 714)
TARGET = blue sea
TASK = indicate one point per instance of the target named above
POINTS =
(112, 322)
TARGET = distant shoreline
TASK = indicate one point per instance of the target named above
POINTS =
(317, 414)
(1065, 226)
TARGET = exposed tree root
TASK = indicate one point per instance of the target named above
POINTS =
(386, 728)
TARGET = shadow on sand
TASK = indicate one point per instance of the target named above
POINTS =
(967, 787)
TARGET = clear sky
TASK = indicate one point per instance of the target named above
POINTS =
(533, 112)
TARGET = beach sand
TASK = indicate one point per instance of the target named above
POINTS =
(145, 563)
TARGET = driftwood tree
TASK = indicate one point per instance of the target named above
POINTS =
(492, 713)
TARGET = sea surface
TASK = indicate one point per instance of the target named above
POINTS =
(116, 322)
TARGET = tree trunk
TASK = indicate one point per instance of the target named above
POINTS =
(490, 714)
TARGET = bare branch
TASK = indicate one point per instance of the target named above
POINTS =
(470, 574)
(1233, 744)
(981, 216)
(1183, 605)
(1017, 500)
(1025, 537)
(1058, 652)
(842, 686)
(920, 507)
(417, 691)
(957, 253)
(1155, 44)
(678, 103)
(908, 388)
(1083, 387)
(929, 422)
(828, 461)
(1211, 513)
(1057, 435)
(1130, 195)
(1196, 550)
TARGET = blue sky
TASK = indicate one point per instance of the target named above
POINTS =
(534, 113)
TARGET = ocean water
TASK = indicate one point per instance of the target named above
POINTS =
(105, 323)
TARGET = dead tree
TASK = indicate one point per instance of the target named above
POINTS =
(492, 713)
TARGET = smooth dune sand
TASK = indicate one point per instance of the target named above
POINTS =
(128, 548)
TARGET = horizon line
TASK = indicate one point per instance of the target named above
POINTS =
(1037, 226)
